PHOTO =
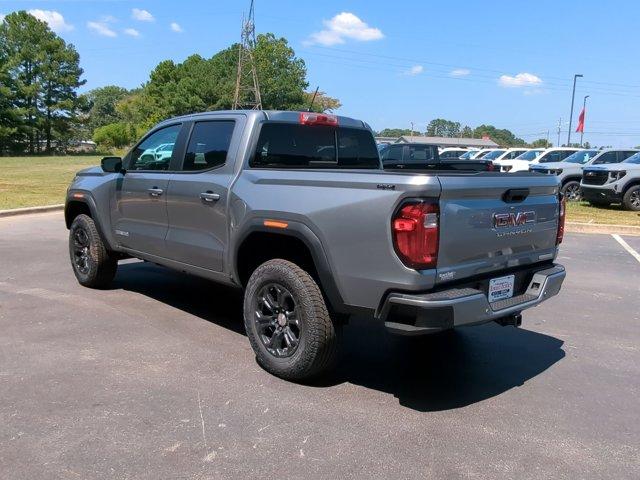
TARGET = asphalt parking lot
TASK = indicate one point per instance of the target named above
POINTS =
(155, 379)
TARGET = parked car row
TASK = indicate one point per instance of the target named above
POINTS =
(610, 175)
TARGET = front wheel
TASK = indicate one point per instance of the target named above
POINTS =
(92, 264)
(631, 199)
(572, 192)
(287, 322)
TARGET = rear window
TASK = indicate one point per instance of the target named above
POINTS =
(286, 145)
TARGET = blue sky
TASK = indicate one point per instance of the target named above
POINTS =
(505, 63)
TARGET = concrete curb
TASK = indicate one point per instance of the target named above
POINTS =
(577, 227)
(28, 210)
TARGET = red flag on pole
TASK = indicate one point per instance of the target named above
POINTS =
(581, 122)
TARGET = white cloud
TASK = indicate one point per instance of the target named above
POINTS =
(101, 28)
(52, 18)
(175, 27)
(459, 72)
(520, 80)
(141, 15)
(344, 26)
(132, 32)
(2, 15)
(415, 70)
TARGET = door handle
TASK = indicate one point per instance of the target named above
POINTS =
(155, 191)
(209, 196)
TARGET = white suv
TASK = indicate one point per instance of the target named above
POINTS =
(519, 162)
(550, 155)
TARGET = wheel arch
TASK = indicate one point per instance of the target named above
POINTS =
(79, 202)
(572, 178)
(296, 243)
(632, 183)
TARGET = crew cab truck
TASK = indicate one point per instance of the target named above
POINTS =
(294, 208)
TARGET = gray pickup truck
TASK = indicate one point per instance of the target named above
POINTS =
(295, 208)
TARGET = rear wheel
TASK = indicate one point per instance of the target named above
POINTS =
(92, 264)
(288, 323)
(631, 199)
(571, 191)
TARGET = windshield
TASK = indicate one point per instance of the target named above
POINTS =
(493, 155)
(529, 155)
(581, 157)
(482, 154)
(635, 158)
(467, 155)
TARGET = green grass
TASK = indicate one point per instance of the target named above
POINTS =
(612, 215)
(35, 181)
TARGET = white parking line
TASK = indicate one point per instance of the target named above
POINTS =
(626, 246)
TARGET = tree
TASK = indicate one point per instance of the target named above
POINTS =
(440, 127)
(541, 143)
(9, 118)
(43, 74)
(321, 103)
(200, 84)
(502, 137)
(100, 106)
(395, 132)
(466, 132)
(281, 75)
(114, 135)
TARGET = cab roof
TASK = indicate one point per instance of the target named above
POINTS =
(288, 116)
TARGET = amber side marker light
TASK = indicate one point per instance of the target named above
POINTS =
(275, 224)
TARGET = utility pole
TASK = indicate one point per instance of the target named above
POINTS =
(547, 137)
(573, 96)
(247, 94)
(584, 109)
(412, 129)
(559, 130)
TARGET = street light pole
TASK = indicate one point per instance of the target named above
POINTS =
(573, 96)
(584, 107)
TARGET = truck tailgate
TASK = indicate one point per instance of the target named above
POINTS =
(491, 222)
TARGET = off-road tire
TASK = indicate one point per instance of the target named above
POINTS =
(317, 346)
(631, 199)
(100, 266)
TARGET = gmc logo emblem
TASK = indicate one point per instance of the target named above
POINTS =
(502, 220)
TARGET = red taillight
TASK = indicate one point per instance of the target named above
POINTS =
(491, 167)
(561, 216)
(311, 118)
(415, 234)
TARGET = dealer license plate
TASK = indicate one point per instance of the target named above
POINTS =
(501, 288)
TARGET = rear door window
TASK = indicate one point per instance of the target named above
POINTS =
(208, 145)
(286, 145)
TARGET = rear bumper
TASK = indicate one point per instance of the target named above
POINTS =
(601, 194)
(411, 314)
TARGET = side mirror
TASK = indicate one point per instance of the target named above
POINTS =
(111, 164)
